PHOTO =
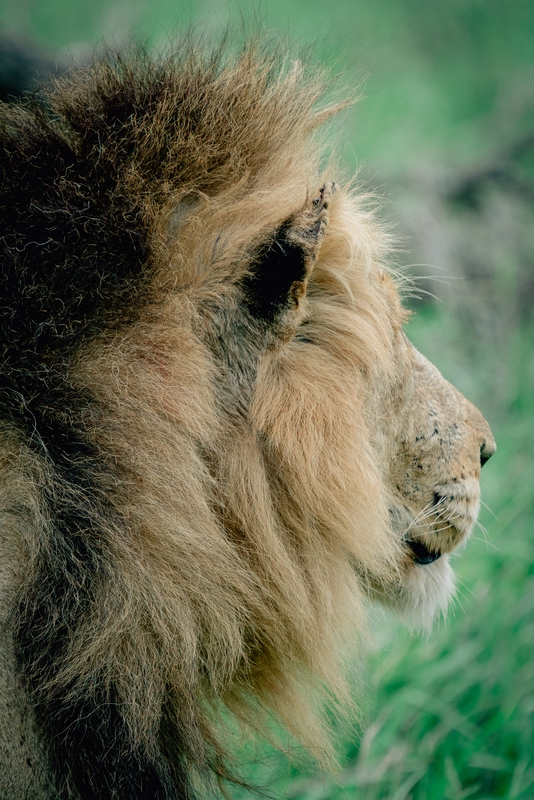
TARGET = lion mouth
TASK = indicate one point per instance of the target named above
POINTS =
(422, 555)
(441, 525)
(403, 521)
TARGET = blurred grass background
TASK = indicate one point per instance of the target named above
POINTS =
(445, 131)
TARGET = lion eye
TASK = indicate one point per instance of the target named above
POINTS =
(303, 333)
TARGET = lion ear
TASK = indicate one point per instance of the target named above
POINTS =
(279, 272)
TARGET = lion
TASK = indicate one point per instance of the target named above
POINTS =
(217, 443)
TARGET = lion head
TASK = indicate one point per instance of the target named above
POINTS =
(218, 442)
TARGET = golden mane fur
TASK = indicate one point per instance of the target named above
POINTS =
(231, 473)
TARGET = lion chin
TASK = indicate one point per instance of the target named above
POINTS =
(216, 442)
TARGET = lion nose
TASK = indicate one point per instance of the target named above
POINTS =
(486, 452)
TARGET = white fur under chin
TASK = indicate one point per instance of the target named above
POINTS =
(426, 594)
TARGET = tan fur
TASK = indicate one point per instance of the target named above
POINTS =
(296, 495)
(257, 530)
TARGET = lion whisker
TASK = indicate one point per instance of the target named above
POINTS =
(486, 506)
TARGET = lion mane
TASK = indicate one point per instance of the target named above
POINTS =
(200, 393)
